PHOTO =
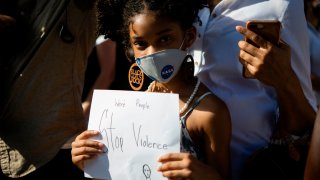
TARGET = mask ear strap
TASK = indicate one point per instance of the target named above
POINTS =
(184, 38)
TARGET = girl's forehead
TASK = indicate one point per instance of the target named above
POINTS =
(150, 21)
(146, 17)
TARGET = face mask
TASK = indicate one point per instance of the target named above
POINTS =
(162, 66)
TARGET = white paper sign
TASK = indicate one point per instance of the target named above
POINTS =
(136, 127)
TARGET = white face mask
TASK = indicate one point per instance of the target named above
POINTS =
(162, 66)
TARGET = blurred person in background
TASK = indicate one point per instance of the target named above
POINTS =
(281, 89)
(41, 87)
(312, 12)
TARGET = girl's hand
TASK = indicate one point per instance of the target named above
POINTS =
(185, 166)
(83, 148)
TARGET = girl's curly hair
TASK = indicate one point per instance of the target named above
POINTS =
(109, 17)
(114, 16)
(184, 12)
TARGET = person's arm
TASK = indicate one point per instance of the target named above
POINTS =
(286, 68)
(312, 170)
(272, 65)
(106, 54)
(296, 113)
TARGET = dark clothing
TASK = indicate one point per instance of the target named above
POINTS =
(60, 167)
(41, 102)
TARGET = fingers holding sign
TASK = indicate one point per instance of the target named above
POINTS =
(84, 148)
(178, 166)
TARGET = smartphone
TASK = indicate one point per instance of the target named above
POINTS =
(268, 30)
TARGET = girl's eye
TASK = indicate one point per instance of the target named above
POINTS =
(140, 44)
(165, 39)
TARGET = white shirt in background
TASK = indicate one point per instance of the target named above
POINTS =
(253, 105)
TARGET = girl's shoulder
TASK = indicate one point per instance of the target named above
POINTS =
(210, 111)
(210, 118)
(210, 102)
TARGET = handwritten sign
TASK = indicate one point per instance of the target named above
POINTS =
(136, 128)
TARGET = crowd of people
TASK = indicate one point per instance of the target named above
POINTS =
(46, 87)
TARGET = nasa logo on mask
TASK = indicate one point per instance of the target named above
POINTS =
(167, 71)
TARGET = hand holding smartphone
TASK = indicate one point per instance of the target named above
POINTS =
(268, 30)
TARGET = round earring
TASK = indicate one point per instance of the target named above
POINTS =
(136, 77)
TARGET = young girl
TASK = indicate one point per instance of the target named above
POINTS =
(159, 33)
